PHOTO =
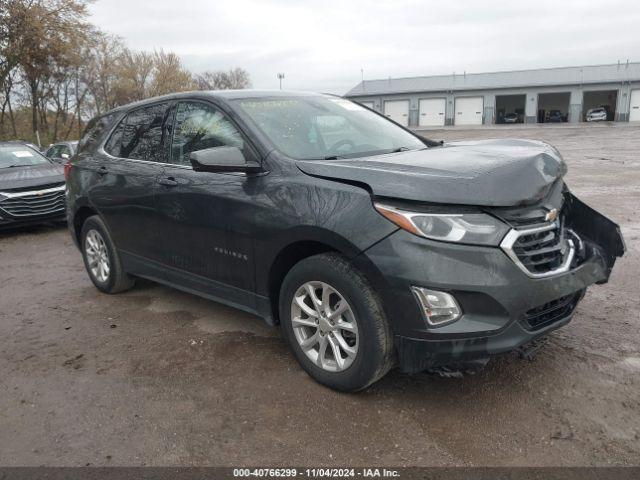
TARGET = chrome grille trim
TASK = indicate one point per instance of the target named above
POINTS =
(32, 192)
(33, 203)
(512, 237)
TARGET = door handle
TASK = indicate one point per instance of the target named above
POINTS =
(103, 170)
(168, 182)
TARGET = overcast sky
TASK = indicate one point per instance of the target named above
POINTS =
(323, 45)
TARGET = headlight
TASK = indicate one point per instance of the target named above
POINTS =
(471, 228)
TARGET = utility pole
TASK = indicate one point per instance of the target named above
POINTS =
(280, 77)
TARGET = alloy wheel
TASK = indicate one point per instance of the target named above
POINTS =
(97, 255)
(324, 326)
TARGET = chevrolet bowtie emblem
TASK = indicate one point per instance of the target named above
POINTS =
(551, 215)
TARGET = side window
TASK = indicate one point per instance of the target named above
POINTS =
(64, 150)
(114, 144)
(142, 133)
(94, 131)
(199, 126)
(53, 152)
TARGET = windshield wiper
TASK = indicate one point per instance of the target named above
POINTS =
(14, 166)
(332, 157)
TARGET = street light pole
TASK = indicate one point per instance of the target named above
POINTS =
(280, 77)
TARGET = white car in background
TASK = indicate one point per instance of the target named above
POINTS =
(596, 115)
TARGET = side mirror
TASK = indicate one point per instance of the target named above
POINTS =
(64, 156)
(222, 159)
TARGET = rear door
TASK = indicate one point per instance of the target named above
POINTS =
(206, 218)
(128, 171)
(398, 111)
(432, 112)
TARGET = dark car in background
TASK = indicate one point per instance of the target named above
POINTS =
(511, 118)
(32, 187)
(556, 116)
(61, 152)
(369, 245)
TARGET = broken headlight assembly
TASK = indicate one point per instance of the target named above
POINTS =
(471, 228)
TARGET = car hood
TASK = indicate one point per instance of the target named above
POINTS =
(30, 176)
(497, 173)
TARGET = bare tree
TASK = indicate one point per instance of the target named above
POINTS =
(57, 71)
(44, 34)
(169, 75)
(234, 79)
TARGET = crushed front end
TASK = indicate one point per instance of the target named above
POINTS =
(505, 296)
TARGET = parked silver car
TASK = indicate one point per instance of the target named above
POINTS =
(596, 115)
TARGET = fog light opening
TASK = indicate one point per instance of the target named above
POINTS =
(439, 308)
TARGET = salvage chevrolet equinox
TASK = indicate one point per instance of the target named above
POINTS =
(369, 245)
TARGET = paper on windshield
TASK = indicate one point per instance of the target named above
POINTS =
(22, 153)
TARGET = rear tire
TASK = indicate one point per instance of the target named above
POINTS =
(101, 258)
(358, 343)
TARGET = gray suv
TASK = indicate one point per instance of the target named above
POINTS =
(368, 245)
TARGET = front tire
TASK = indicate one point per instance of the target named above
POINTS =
(101, 258)
(334, 322)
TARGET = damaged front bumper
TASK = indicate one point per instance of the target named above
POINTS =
(503, 306)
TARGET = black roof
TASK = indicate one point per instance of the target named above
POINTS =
(222, 94)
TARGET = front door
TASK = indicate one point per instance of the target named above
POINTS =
(206, 218)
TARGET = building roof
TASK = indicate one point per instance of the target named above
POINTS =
(514, 79)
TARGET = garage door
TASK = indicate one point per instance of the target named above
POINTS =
(398, 111)
(634, 108)
(469, 111)
(432, 112)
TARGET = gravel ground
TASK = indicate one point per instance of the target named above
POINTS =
(159, 377)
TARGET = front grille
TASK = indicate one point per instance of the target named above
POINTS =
(553, 311)
(525, 218)
(540, 247)
(541, 251)
(36, 203)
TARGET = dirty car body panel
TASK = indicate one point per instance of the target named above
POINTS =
(222, 235)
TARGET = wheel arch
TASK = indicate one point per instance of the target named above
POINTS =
(79, 218)
(284, 261)
(304, 243)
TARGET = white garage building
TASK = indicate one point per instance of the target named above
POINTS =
(528, 96)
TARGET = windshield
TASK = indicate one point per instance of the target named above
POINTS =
(323, 127)
(19, 156)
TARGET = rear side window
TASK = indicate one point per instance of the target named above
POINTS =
(94, 132)
(139, 135)
(112, 147)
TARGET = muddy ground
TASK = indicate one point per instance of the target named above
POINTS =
(159, 377)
